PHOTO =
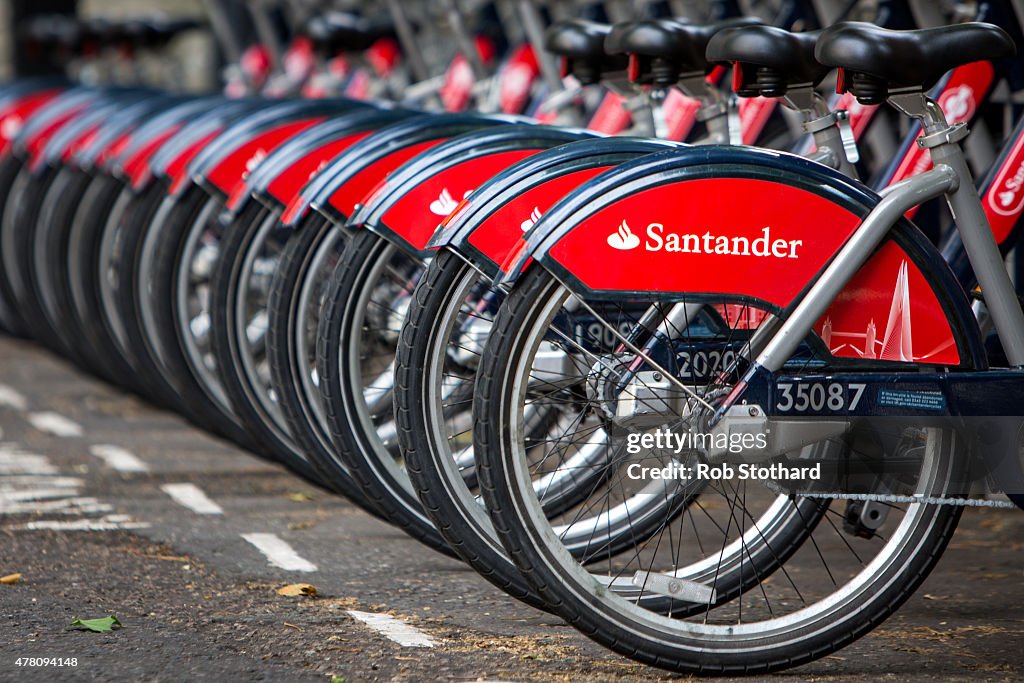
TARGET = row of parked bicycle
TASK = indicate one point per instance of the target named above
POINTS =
(679, 377)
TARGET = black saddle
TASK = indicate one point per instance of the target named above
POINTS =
(662, 51)
(580, 44)
(875, 60)
(340, 32)
(768, 60)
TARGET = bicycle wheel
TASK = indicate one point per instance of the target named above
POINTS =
(10, 319)
(834, 580)
(446, 326)
(89, 274)
(16, 239)
(300, 282)
(46, 272)
(356, 342)
(118, 238)
(239, 326)
(175, 263)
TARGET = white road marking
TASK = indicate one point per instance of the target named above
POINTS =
(279, 553)
(118, 458)
(105, 523)
(31, 485)
(192, 497)
(62, 506)
(14, 460)
(16, 482)
(34, 494)
(11, 398)
(394, 629)
(55, 423)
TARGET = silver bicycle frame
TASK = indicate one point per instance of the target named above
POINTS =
(950, 177)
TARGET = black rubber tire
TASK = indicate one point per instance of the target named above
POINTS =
(282, 350)
(359, 447)
(240, 239)
(157, 287)
(130, 216)
(82, 266)
(18, 228)
(47, 274)
(10, 319)
(441, 282)
(571, 599)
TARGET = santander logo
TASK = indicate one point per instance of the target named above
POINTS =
(254, 161)
(658, 239)
(1006, 197)
(445, 204)
(529, 222)
(623, 239)
(958, 103)
(11, 126)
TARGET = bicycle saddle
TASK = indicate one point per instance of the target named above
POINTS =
(768, 60)
(580, 43)
(875, 60)
(341, 31)
(669, 48)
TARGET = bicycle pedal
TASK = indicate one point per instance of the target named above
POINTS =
(679, 589)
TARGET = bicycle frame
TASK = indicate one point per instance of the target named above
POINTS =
(951, 178)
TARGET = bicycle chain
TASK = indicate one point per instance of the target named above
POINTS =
(927, 500)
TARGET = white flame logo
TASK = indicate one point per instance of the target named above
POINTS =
(11, 126)
(444, 204)
(623, 238)
(529, 222)
(958, 104)
(254, 161)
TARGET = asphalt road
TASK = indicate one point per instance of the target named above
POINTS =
(109, 506)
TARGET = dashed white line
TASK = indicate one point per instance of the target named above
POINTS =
(17, 482)
(279, 553)
(31, 485)
(55, 423)
(192, 497)
(15, 460)
(393, 629)
(105, 523)
(118, 458)
(11, 398)
(62, 506)
(34, 494)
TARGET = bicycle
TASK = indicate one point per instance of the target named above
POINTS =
(773, 320)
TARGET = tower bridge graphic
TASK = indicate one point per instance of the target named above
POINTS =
(897, 340)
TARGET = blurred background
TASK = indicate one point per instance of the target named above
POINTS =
(24, 23)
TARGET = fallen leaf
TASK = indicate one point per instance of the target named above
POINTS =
(96, 625)
(294, 589)
(300, 497)
(337, 679)
(297, 628)
(10, 579)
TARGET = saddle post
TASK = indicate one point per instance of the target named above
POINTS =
(942, 141)
(833, 137)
